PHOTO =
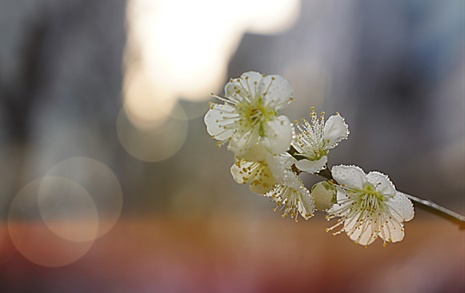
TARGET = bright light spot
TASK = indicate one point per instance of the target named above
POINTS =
(101, 184)
(147, 104)
(151, 145)
(271, 17)
(34, 239)
(181, 48)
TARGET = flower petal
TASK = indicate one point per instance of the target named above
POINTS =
(256, 152)
(392, 231)
(258, 174)
(362, 233)
(293, 199)
(351, 176)
(278, 135)
(292, 180)
(381, 183)
(276, 91)
(401, 206)
(262, 188)
(242, 143)
(286, 159)
(305, 205)
(263, 183)
(279, 166)
(237, 171)
(312, 167)
(219, 120)
(243, 88)
(340, 209)
(335, 131)
(252, 80)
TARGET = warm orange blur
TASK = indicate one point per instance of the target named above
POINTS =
(250, 254)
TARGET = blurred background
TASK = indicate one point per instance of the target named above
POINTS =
(110, 183)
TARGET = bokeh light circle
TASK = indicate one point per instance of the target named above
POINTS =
(67, 209)
(100, 182)
(152, 144)
(34, 239)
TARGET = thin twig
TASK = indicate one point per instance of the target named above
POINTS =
(439, 210)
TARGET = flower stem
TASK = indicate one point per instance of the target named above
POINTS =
(439, 210)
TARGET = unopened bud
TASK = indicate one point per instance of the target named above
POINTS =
(324, 195)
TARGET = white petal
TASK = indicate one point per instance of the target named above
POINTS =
(234, 91)
(243, 88)
(278, 135)
(381, 183)
(340, 208)
(286, 159)
(341, 196)
(293, 200)
(401, 206)
(351, 176)
(237, 171)
(312, 167)
(276, 91)
(263, 183)
(292, 180)
(261, 189)
(392, 231)
(242, 142)
(252, 80)
(306, 206)
(231, 91)
(256, 152)
(279, 164)
(335, 131)
(218, 118)
(361, 233)
(257, 174)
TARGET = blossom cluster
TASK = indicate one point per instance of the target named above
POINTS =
(271, 152)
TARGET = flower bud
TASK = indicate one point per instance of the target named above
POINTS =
(324, 195)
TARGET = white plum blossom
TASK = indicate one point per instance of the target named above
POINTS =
(290, 193)
(368, 206)
(264, 174)
(248, 118)
(275, 178)
(292, 197)
(315, 139)
(257, 174)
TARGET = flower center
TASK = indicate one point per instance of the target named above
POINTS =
(317, 154)
(370, 190)
(255, 114)
(368, 201)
